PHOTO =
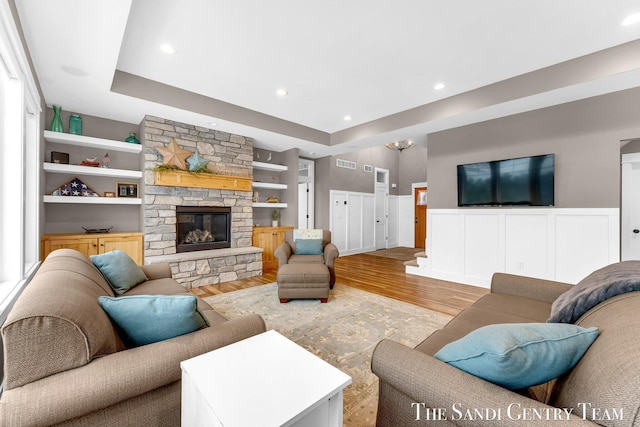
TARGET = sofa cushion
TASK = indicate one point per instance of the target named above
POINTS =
(307, 233)
(306, 259)
(119, 269)
(157, 287)
(512, 305)
(171, 287)
(490, 309)
(309, 247)
(145, 319)
(519, 355)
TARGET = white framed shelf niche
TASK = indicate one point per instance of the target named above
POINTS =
(269, 167)
(101, 212)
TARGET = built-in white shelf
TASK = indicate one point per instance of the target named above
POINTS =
(270, 205)
(269, 185)
(91, 142)
(93, 200)
(269, 167)
(88, 170)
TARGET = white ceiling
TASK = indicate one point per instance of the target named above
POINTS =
(365, 58)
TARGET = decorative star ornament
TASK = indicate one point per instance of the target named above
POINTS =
(196, 162)
(174, 155)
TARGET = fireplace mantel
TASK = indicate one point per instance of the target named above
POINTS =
(202, 180)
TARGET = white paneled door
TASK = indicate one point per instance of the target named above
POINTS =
(352, 221)
(382, 207)
(630, 221)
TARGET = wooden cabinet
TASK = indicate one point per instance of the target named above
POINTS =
(91, 244)
(269, 238)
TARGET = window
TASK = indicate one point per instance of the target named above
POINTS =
(19, 164)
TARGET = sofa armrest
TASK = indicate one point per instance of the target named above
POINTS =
(117, 377)
(528, 287)
(438, 385)
(283, 253)
(330, 254)
(157, 271)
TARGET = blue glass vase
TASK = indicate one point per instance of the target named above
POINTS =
(132, 138)
(75, 124)
(56, 123)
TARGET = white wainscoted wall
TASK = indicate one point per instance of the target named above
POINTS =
(352, 221)
(393, 231)
(406, 219)
(401, 218)
(469, 245)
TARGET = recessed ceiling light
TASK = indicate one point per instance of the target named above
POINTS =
(347, 118)
(212, 124)
(631, 19)
(282, 93)
(167, 48)
(439, 86)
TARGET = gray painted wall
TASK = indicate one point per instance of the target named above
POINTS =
(95, 126)
(289, 216)
(585, 136)
(404, 169)
(358, 180)
(323, 188)
(632, 146)
(412, 168)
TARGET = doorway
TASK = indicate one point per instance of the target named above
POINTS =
(381, 207)
(630, 207)
(306, 193)
(420, 211)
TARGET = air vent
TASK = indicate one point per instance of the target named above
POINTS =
(368, 168)
(345, 164)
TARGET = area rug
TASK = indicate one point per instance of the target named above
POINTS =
(401, 253)
(343, 332)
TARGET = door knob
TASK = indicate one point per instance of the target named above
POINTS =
(636, 231)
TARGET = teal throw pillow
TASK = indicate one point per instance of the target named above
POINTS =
(309, 247)
(145, 319)
(519, 355)
(121, 272)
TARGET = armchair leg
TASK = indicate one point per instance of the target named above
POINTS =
(323, 300)
(284, 300)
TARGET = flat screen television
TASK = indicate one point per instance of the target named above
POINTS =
(525, 181)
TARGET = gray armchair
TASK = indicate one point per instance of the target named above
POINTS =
(286, 254)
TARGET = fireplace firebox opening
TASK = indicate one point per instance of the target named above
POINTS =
(202, 228)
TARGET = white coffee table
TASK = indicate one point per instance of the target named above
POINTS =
(266, 380)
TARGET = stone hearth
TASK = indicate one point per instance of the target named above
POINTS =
(228, 154)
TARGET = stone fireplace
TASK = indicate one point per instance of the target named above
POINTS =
(202, 228)
(172, 212)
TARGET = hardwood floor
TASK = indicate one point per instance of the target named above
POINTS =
(382, 276)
